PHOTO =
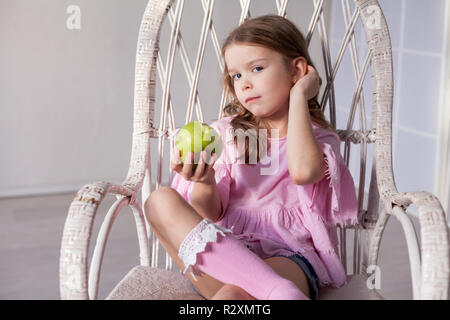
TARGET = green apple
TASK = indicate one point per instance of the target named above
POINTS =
(196, 137)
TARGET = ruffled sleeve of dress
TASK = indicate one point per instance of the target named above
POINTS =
(334, 197)
(329, 203)
(222, 168)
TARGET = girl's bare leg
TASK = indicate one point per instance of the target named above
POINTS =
(171, 219)
(231, 292)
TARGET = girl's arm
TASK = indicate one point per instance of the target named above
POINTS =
(305, 158)
(205, 199)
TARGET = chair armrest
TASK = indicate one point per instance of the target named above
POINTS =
(73, 268)
(435, 269)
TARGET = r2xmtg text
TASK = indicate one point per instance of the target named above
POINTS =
(246, 309)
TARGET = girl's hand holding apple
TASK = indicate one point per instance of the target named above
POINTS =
(199, 141)
(204, 171)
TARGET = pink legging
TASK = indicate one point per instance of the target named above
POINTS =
(229, 261)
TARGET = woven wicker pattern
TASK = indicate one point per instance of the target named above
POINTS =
(147, 283)
(429, 263)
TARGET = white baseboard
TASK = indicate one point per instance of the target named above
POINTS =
(21, 192)
(38, 191)
(51, 190)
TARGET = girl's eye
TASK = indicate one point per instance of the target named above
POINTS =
(238, 74)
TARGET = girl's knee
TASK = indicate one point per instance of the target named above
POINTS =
(157, 205)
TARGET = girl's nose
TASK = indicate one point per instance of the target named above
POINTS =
(246, 84)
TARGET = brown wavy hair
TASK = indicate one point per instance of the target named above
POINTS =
(279, 34)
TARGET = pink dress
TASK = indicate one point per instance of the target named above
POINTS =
(272, 215)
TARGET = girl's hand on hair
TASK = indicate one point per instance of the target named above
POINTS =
(308, 85)
(204, 172)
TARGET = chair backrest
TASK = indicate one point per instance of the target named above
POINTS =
(171, 34)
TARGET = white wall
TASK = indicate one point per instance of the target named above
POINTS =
(417, 35)
(66, 96)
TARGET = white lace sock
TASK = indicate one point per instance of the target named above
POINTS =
(229, 261)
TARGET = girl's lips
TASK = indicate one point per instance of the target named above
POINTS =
(251, 99)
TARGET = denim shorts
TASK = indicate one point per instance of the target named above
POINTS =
(310, 274)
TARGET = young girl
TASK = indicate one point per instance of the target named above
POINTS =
(246, 231)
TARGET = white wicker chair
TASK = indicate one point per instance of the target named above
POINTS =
(429, 264)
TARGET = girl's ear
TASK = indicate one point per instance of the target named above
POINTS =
(299, 68)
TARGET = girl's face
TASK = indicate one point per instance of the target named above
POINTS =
(260, 72)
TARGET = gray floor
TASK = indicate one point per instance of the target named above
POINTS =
(30, 236)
